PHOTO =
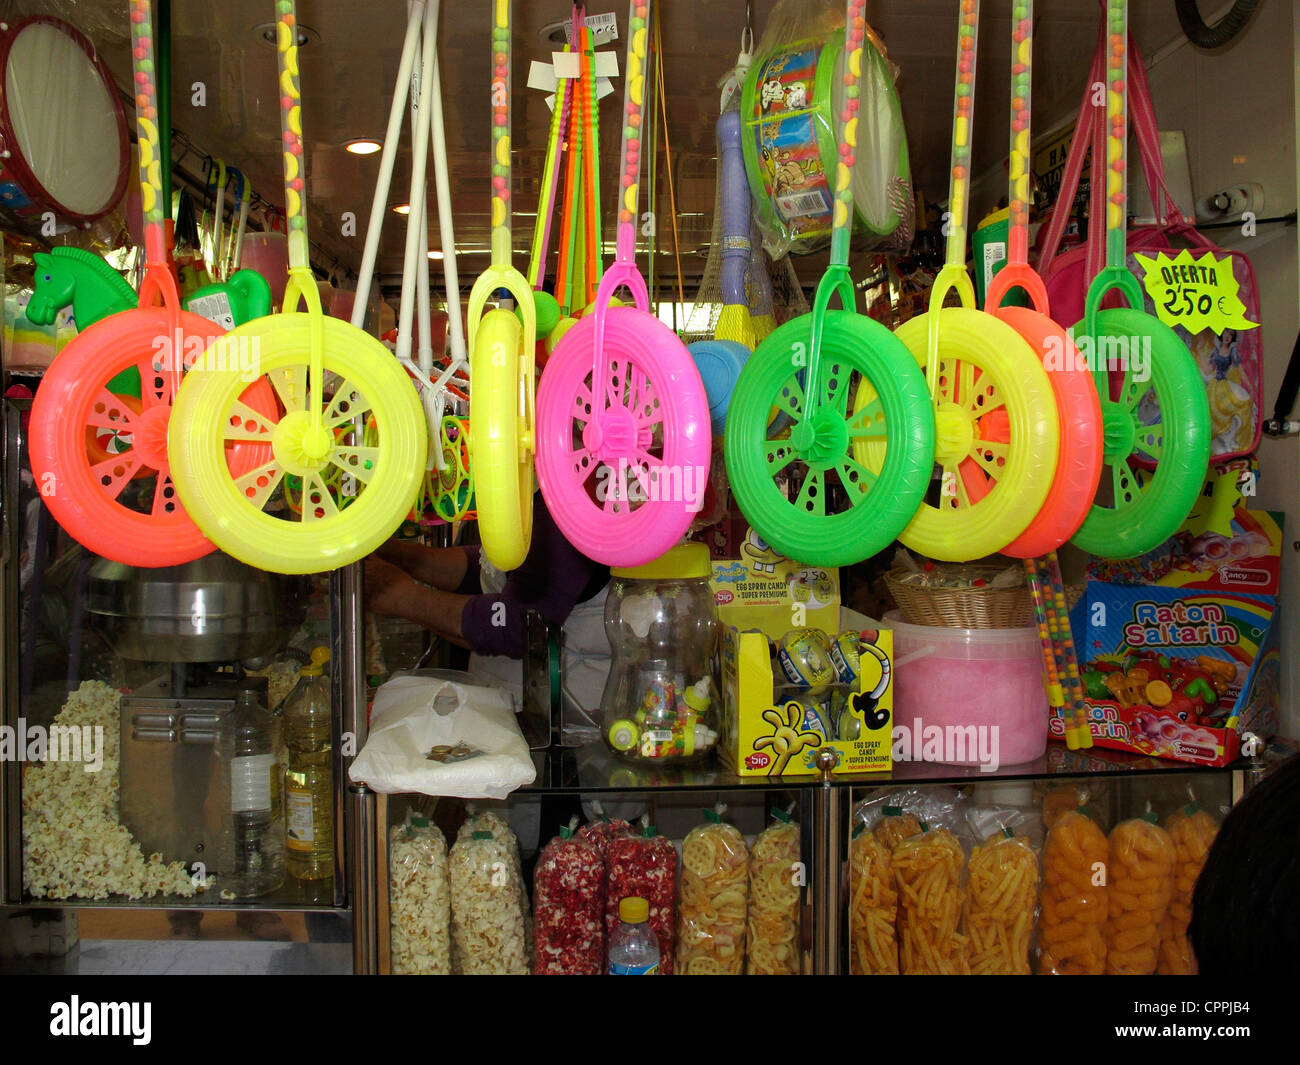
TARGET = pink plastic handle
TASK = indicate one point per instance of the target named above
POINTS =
(623, 273)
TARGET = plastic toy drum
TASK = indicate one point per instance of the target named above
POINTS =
(63, 140)
(789, 111)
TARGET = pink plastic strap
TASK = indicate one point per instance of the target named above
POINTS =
(1073, 163)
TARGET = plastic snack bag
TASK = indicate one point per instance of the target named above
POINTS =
(873, 906)
(713, 900)
(488, 820)
(894, 826)
(928, 870)
(1071, 926)
(1002, 886)
(773, 947)
(1141, 874)
(599, 833)
(419, 900)
(569, 908)
(1193, 830)
(644, 864)
(487, 925)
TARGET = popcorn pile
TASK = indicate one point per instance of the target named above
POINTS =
(73, 843)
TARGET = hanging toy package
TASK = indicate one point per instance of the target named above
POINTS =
(569, 907)
(419, 900)
(793, 93)
(713, 899)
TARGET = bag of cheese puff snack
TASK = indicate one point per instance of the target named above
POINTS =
(873, 906)
(1141, 883)
(929, 870)
(1193, 830)
(1073, 900)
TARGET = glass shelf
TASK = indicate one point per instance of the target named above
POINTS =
(289, 899)
(594, 769)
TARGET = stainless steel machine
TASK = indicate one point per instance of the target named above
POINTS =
(196, 627)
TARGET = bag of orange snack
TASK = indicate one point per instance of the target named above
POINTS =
(1193, 830)
(1141, 883)
(1002, 890)
(1073, 903)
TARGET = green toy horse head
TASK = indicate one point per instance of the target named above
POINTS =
(72, 276)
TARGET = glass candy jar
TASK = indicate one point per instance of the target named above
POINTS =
(661, 704)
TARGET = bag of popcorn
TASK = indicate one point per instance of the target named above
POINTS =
(419, 900)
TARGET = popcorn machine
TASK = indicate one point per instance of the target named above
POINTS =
(142, 664)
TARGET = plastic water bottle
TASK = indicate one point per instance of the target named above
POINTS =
(634, 948)
(248, 796)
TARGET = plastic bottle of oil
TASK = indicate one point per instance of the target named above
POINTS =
(309, 778)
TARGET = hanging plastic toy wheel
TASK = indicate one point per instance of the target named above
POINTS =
(243, 514)
(501, 451)
(101, 460)
(623, 463)
(996, 436)
(1136, 510)
(451, 489)
(800, 482)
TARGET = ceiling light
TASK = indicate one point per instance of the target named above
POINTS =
(363, 146)
(435, 255)
(402, 208)
(306, 35)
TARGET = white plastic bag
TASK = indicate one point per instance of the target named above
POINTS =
(479, 752)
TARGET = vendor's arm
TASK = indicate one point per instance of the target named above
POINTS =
(392, 593)
(448, 569)
(554, 578)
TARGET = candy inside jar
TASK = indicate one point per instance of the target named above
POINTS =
(661, 703)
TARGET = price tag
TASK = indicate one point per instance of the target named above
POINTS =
(1197, 294)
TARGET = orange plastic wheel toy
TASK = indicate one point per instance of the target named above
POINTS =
(119, 501)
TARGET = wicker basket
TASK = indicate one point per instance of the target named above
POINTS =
(966, 607)
(970, 608)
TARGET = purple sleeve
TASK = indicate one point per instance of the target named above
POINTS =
(552, 581)
(469, 584)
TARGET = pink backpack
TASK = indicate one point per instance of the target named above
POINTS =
(1230, 364)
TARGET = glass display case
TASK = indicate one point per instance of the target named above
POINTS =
(589, 783)
(117, 681)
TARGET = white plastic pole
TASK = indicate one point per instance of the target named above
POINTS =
(387, 159)
(415, 241)
(456, 348)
